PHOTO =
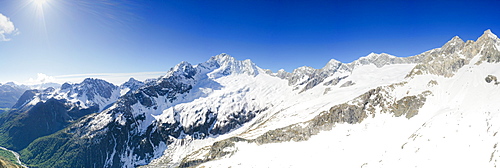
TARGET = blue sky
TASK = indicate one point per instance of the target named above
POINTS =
(72, 39)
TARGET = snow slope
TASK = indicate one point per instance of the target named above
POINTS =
(456, 127)
(378, 111)
(288, 106)
(382, 139)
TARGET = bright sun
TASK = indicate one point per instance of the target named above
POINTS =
(39, 2)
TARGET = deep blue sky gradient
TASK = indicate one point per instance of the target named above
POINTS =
(113, 36)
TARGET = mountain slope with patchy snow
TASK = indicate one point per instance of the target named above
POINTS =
(454, 126)
(39, 113)
(377, 111)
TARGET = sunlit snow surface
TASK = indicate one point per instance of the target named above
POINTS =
(457, 126)
(286, 106)
(80, 101)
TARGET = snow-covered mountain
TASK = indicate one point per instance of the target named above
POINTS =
(131, 85)
(435, 108)
(91, 93)
(9, 94)
(43, 112)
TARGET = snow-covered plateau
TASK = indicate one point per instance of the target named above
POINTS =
(436, 109)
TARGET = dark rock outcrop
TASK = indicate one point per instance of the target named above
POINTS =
(491, 78)
(352, 112)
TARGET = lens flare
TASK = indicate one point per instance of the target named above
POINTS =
(39, 7)
(39, 2)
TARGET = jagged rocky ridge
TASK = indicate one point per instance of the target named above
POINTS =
(456, 53)
(39, 113)
(307, 77)
(450, 59)
(407, 106)
(144, 123)
(136, 135)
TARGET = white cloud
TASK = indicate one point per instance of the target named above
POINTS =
(6, 28)
(42, 78)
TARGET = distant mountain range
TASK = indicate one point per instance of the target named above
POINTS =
(10, 92)
(436, 108)
(9, 95)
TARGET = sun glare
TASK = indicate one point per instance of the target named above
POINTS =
(39, 2)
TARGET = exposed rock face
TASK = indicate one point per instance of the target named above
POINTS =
(39, 113)
(383, 59)
(352, 112)
(120, 125)
(318, 76)
(491, 78)
(445, 61)
(129, 125)
(161, 113)
(21, 127)
(409, 105)
(432, 83)
(170, 86)
(334, 81)
(282, 74)
(347, 84)
(217, 150)
(491, 51)
(131, 85)
(91, 93)
(300, 75)
(305, 78)
(226, 65)
(91, 88)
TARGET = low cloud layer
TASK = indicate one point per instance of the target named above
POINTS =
(115, 78)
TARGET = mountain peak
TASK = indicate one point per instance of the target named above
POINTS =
(10, 83)
(223, 58)
(89, 80)
(132, 79)
(94, 82)
(225, 64)
(132, 84)
(372, 54)
(454, 41)
(488, 35)
(184, 68)
(455, 44)
(332, 64)
(94, 86)
(334, 61)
